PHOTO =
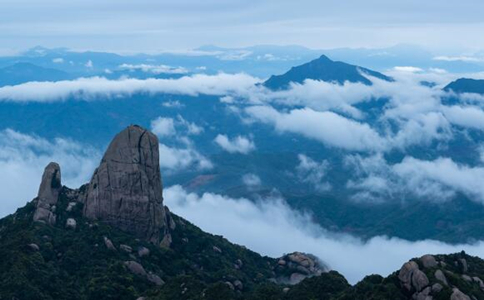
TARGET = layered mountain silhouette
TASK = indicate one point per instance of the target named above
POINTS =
(24, 72)
(113, 239)
(466, 85)
(323, 69)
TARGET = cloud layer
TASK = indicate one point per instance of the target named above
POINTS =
(272, 228)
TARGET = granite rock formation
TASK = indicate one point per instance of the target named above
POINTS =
(48, 195)
(126, 189)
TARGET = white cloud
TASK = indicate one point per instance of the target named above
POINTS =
(102, 88)
(326, 127)
(434, 180)
(463, 58)
(408, 69)
(313, 172)
(191, 128)
(175, 159)
(154, 69)
(238, 144)
(173, 104)
(163, 127)
(58, 60)
(24, 157)
(271, 228)
(89, 64)
(470, 116)
(251, 180)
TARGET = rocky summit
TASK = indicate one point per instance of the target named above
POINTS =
(113, 239)
(126, 190)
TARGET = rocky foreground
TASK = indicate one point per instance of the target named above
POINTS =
(113, 239)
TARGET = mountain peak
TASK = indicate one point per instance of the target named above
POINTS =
(126, 190)
(323, 69)
(466, 85)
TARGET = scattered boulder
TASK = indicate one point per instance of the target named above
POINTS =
(238, 264)
(166, 242)
(406, 272)
(439, 275)
(419, 280)
(467, 278)
(458, 295)
(300, 266)
(463, 263)
(71, 223)
(217, 249)
(436, 288)
(135, 268)
(48, 194)
(238, 285)
(428, 261)
(70, 206)
(143, 251)
(34, 247)
(155, 279)
(230, 285)
(479, 281)
(126, 248)
(109, 244)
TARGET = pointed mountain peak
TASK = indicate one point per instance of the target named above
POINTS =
(323, 69)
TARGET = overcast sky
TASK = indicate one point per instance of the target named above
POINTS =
(153, 25)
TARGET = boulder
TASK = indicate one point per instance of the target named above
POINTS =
(436, 288)
(48, 194)
(70, 206)
(238, 285)
(126, 190)
(143, 251)
(463, 263)
(467, 278)
(439, 275)
(405, 274)
(126, 248)
(458, 295)
(419, 280)
(109, 244)
(428, 261)
(135, 268)
(155, 279)
(34, 247)
(71, 223)
(217, 249)
(479, 281)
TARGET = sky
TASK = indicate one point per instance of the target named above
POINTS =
(150, 26)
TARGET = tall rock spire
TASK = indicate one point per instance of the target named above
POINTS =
(48, 194)
(126, 189)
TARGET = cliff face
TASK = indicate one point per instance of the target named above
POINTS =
(126, 190)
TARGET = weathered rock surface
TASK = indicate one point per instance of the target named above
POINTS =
(406, 272)
(135, 268)
(126, 190)
(419, 280)
(300, 266)
(428, 261)
(458, 295)
(48, 195)
(439, 275)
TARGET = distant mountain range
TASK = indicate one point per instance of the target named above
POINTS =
(25, 72)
